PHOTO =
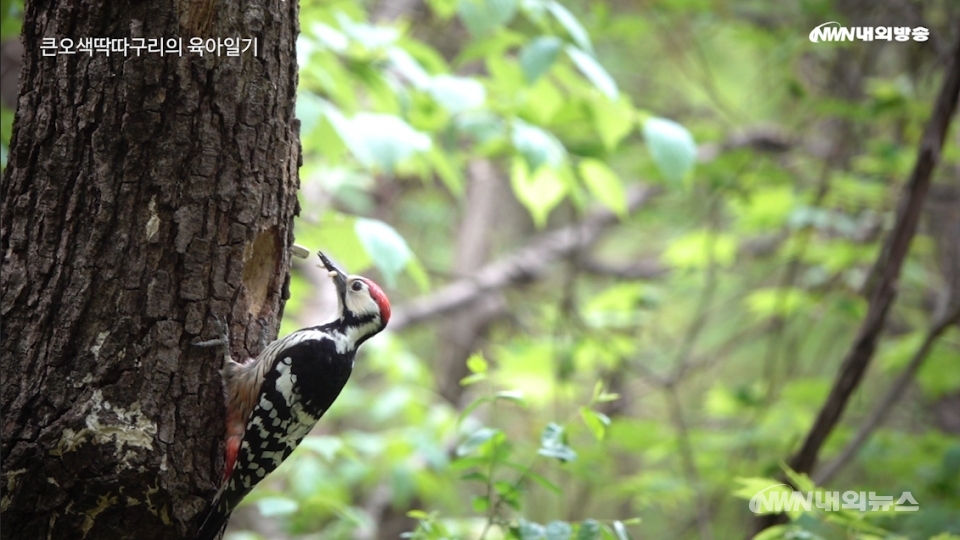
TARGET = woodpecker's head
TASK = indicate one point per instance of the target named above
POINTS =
(362, 302)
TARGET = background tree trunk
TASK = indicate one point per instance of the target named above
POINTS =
(144, 195)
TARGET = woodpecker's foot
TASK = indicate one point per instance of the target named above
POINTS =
(222, 341)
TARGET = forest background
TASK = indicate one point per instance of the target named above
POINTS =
(631, 248)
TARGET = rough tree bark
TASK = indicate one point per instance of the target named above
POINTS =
(144, 196)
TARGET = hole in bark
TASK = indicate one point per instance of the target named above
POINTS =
(260, 269)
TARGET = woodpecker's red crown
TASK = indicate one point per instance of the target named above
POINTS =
(380, 298)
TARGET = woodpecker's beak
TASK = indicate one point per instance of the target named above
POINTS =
(339, 278)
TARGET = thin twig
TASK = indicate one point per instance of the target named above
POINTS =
(893, 395)
(689, 463)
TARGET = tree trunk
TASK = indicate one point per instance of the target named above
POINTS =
(144, 196)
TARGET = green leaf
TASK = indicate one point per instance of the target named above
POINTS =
(457, 94)
(475, 440)
(618, 306)
(448, 173)
(329, 37)
(491, 47)
(475, 475)
(539, 193)
(508, 492)
(764, 209)
(443, 8)
(377, 140)
(749, 487)
(474, 404)
(530, 530)
(406, 65)
(387, 140)
(612, 119)
(778, 302)
(482, 17)
(621, 530)
(588, 530)
(671, 146)
(600, 396)
(538, 478)
(940, 373)
(277, 506)
(418, 274)
(336, 235)
(482, 126)
(593, 71)
(537, 146)
(476, 363)
(515, 396)
(605, 185)
(481, 504)
(552, 444)
(552, 435)
(473, 379)
(558, 530)
(781, 532)
(537, 56)
(325, 445)
(368, 35)
(387, 249)
(571, 25)
(800, 481)
(542, 102)
(597, 390)
(695, 249)
(597, 422)
(418, 514)
(309, 110)
(506, 395)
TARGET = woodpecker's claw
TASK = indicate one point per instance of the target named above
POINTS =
(223, 339)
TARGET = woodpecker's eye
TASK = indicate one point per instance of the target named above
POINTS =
(357, 285)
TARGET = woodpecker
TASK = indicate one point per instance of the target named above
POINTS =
(273, 401)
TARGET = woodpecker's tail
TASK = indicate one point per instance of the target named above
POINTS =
(215, 523)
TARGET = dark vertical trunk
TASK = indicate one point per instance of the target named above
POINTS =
(144, 195)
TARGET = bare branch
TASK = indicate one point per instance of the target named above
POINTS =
(893, 395)
(524, 264)
(769, 139)
(882, 286)
(648, 268)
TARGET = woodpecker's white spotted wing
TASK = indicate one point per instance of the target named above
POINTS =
(294, 394)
